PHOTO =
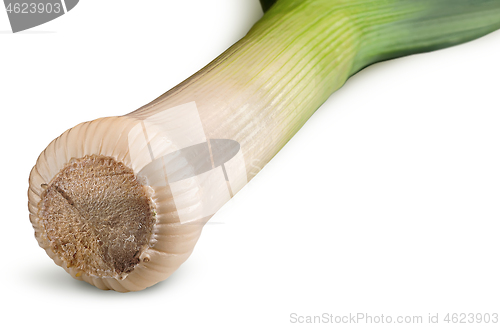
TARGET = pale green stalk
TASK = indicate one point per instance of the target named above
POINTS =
(265, 87)
(252, 99)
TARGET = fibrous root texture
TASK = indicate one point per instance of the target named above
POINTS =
(97, 216)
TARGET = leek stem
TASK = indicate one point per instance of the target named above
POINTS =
(198, 144)
(266, 4)
(265, 87)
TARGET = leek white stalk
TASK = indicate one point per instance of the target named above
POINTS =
(120, 202)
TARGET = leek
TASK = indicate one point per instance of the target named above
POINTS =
(120, 202)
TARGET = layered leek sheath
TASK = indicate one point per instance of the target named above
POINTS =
(120, 202)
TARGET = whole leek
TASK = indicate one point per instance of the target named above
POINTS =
(120, 202)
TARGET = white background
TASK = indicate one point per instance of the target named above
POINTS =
(386, 202)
